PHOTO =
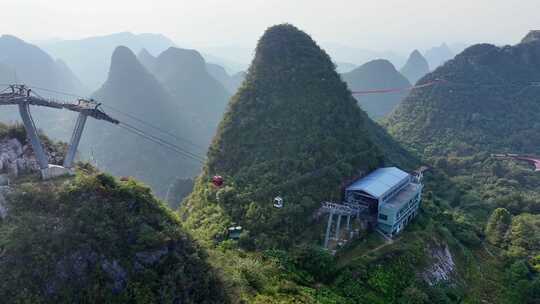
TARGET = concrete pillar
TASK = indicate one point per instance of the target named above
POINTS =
(75, 139)
(338, 226)
(328, 226)
(348, 222)
(32, 135)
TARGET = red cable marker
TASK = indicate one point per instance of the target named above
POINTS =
(393, 90)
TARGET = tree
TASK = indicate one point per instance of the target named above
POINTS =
(522, 235)
(497, 226)
(413, 295)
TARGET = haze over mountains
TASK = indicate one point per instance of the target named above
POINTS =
(90, 58)
(22, 62)
(130, 88)
(179, 82)
(415, 68)
(202, 99)
(438, 55)
(230, 82)
(27, 63)
(177, 95)
(374, 75)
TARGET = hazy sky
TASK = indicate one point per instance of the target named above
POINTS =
(371, 24)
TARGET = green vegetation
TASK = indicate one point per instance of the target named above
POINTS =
(485, 104)
(292, 130)
(93, 239)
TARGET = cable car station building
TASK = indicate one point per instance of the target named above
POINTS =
(390, 194)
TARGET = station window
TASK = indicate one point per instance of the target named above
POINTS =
(383, 217)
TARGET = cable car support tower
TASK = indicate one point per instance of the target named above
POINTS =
(23, 97)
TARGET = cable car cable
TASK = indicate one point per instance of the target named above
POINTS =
(154, 127)
(161, 141)
(172, 148)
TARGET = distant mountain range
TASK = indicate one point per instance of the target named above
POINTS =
(416, 67)
(90, 57)
(345, 56)
(173, 92)
(131, 88)
(374, 75)
(25, 62)
(436, 56)
(22, 62)
(201, 98)
(230, 82)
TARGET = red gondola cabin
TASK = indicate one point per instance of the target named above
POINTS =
(217, 181)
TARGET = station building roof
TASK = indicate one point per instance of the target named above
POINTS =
(380, 181)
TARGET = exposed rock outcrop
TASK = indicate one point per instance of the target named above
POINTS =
(18, 158)
(441, 267)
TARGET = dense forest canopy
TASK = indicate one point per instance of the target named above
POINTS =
(486, 101)
(293, 129)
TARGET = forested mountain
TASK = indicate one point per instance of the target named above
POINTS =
(438, 55)
(486, 101)
(90, 57)
(201, 98)
(374, 75)
(293, 129)
(131, 89)
(230, 82)
(93, 239)
(416, 67)
(21, 62)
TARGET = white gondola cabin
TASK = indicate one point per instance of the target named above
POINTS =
(278, 202)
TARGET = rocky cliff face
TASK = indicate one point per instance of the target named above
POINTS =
(18, 158)
(442, 265)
